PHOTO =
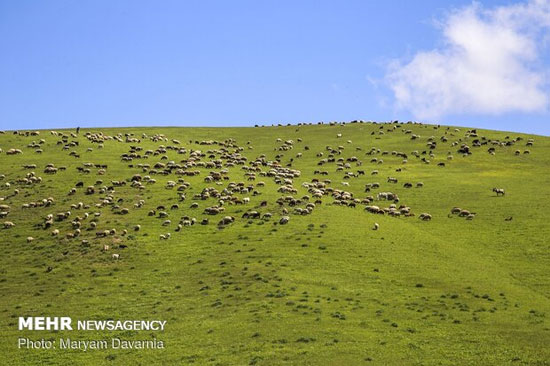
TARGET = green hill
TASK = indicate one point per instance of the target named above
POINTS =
(427, 287)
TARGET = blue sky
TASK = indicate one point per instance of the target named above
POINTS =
(238, 63)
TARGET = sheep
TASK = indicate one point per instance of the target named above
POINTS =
(425, 216)
(115, 256)
(499, 191)
(376, 226)
(8, 224)
(137, 227)
(226, 220)
(55, 232)
(284, 220)
(456, 210)
(29, 239)
(102, 234)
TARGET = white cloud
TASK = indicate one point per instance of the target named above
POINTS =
(489, 64)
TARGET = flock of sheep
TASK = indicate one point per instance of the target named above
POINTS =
(231, 178)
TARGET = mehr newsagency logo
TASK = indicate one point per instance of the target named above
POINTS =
(67, 324)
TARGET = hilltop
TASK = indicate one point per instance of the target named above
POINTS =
(336, 244)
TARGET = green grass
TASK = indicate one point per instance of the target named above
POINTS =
(325, 289)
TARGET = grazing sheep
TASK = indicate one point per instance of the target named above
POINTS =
(29, 239)
(456, 210)
(8, 224)
(376, 226)
(115, 256)
(55, 232)
(226, 220)
(284, 220)
(499, 191)
(137, 227)
(425, 216)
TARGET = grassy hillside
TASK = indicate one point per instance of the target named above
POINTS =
(323, 289)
